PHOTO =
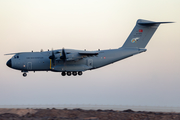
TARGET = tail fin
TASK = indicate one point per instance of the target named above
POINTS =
(142, 33)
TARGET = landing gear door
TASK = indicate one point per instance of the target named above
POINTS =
(29, 66)
(90, 62)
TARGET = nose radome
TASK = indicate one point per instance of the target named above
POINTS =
(9, 63)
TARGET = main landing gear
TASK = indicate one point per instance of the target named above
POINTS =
(74, 73)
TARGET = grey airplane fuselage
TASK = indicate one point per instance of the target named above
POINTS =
(39, 61)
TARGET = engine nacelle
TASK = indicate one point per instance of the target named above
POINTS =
(69, 56)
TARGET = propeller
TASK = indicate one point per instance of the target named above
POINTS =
(52, 57)
(63, 57)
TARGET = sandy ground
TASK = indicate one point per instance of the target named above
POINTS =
(79, 114)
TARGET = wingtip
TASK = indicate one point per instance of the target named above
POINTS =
(10, 54)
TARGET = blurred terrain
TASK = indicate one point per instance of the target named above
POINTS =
(80, 114)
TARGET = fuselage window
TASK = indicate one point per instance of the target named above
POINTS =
(17, 56)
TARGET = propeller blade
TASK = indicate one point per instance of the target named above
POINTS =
(63, 57)
(52, 57)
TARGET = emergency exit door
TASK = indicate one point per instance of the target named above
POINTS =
(29, 66)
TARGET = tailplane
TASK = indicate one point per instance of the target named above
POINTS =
(142, 33)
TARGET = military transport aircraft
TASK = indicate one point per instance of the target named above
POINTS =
(69, 61)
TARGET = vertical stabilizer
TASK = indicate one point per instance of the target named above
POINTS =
(142, 33)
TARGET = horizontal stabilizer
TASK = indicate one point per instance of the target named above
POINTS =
(146, 22)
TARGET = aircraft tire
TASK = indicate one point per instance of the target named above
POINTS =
(69, 73)
(80, 73)
(24, 74)
(63, 73)
(74, 73)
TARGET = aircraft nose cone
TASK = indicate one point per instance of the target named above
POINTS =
(9, 63)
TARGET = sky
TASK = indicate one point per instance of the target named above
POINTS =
(151, 78)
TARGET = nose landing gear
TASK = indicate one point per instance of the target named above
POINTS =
(24, 74)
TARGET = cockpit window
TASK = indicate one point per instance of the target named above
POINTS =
(16, 56)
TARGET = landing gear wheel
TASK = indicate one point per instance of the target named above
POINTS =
(80, 73)
(69, 73)
(74, 73)
(63, 73)
(24, 74)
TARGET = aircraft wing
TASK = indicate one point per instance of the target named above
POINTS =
(89, 53)
(14, 53)
(80, 55)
